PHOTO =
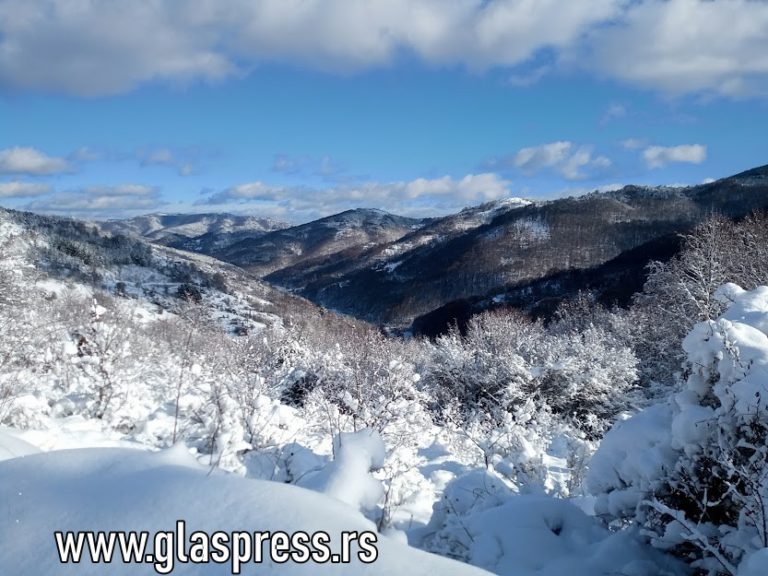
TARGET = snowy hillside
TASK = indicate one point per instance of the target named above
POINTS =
(158, 227)
(141, 385)
(333, 237)
(132, 490)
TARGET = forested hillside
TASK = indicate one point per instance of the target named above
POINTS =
(393, 271)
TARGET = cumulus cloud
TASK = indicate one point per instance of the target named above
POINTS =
(421, 195)
(571, 161)
(17, 189)
(30, 161)
(102, 47)
(682, 46)
(361, 33)
(100, 201)
(660, 156)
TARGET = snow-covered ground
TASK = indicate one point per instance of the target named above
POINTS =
(133, 490)
(130, 408)
(122, 489)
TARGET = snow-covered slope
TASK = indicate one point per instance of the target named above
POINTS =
(204, 233)
(11, 446)
(158, 226)
(337, 236)
(132, 490)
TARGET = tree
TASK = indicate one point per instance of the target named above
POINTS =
(680, 293)
(693, 472)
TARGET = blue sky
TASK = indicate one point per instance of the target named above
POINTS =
(297, 110)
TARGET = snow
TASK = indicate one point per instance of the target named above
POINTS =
(392, 266)
(532, 535)
(357, 453)
(710, 434)
(510, 539)
(487, 211)
(11, 446)
(365, 443)
(120, 489)
(73, 432)
(630, 460)
(756, 564)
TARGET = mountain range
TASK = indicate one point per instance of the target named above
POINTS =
(202, 233)
(425, 273)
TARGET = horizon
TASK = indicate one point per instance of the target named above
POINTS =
(294, 223)
(297, 113)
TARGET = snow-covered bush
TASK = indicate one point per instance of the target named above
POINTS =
(482, 521)
(506, 360)
(347, 478)
(694, 472)
(586, 377)
(524, 394)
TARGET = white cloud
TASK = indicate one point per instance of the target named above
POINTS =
(97, 47)
(660, 156)
(252, 191)
(102, 47)
(534, 158)
(23, 160)
(16, 189)
(471, 188)
(682, 46)
(101, 201)
(360, 33)
(324, 166)
(86, 154)
(185, 169)
(571, 161)
(523, 80)
(160, 156)
(123, 190)
(419, 196)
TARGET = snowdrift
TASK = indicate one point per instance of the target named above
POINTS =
(122, 489)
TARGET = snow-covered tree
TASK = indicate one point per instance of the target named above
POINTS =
(693, 472)
(679, 293)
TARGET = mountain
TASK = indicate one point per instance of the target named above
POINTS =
(519, 252)
(393, 270)
(82, 257)
(348, 233)
(311, 275)
(202, 233)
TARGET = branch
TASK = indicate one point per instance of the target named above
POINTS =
(694, 533)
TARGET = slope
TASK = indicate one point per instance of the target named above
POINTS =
(520, 244)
